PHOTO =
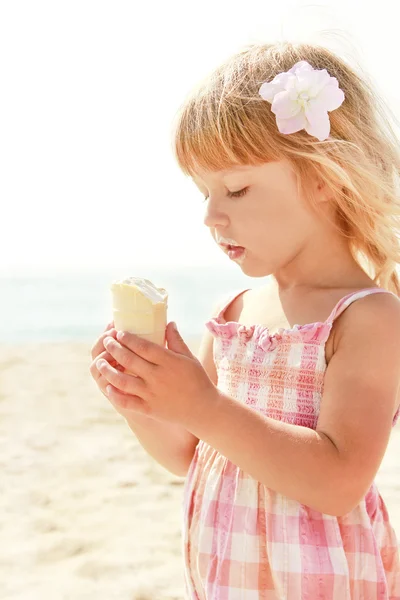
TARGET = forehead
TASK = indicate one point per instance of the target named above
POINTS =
(202, 175)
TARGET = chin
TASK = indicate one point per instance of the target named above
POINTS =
(254, 270)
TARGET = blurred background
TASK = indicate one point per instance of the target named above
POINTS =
(89, 185)
(91, 193)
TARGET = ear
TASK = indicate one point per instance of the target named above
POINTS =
(323, 192)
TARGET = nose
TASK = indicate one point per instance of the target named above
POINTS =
(214, 217)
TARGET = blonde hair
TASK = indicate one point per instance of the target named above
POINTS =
(225, 122)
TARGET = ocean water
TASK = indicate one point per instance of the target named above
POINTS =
(77, 306)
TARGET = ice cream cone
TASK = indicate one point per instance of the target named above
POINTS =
(140, 307)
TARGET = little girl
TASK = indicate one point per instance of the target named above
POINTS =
(282, 423)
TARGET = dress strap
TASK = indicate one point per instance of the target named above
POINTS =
(338, 309)
(350, 298)
(229, 300)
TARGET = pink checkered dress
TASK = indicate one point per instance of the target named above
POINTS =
(244, 541)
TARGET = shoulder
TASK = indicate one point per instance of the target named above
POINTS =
(373, 317)
(205, 352)
(233, 307)
(366, 357)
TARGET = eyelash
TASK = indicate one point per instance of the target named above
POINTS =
(237, 194)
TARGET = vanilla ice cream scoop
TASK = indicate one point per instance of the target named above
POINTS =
(140, 307)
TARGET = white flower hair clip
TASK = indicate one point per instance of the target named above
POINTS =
(301, 99)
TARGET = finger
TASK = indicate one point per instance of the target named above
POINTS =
(129, 384)
(93, 370)
(102, 384)
(126, 401)
(98, 347)
(99, 380)
(95, 373)
(153, 353)
(128, 359)
(110, 359)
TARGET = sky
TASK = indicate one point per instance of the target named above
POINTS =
(89, 92)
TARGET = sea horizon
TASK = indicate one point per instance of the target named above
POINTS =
(60, 306)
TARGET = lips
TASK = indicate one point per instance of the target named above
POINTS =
(225, 242)
(236, 253)
(228, 247)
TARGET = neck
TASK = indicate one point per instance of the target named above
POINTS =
(325, 262)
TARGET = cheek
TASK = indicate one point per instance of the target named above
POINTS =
(280, 228)
(275, 220)
(289, 215)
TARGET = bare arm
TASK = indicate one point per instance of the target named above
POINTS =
(170, 445)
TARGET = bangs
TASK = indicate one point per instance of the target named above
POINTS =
(216, 133)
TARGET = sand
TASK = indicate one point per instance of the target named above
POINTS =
(84, 511)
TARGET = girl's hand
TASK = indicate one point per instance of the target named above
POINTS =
(169, 384)
(98, 351)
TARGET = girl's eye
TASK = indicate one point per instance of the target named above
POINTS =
(237, 194)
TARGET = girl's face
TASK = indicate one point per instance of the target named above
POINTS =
(260, 209)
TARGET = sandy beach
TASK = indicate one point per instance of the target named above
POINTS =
(85, 513)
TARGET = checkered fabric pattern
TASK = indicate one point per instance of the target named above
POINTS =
(243, 541)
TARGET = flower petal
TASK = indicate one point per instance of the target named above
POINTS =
(301, 66)
(331, 96)
(291, 125)
(269, 89)
(304, 80)
(319, 80)
(318, 124)
(282, 79)
(285, 106)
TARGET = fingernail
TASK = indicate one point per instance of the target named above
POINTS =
(174, 326)
(108, 390)
(120, 335)
(100, 363)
